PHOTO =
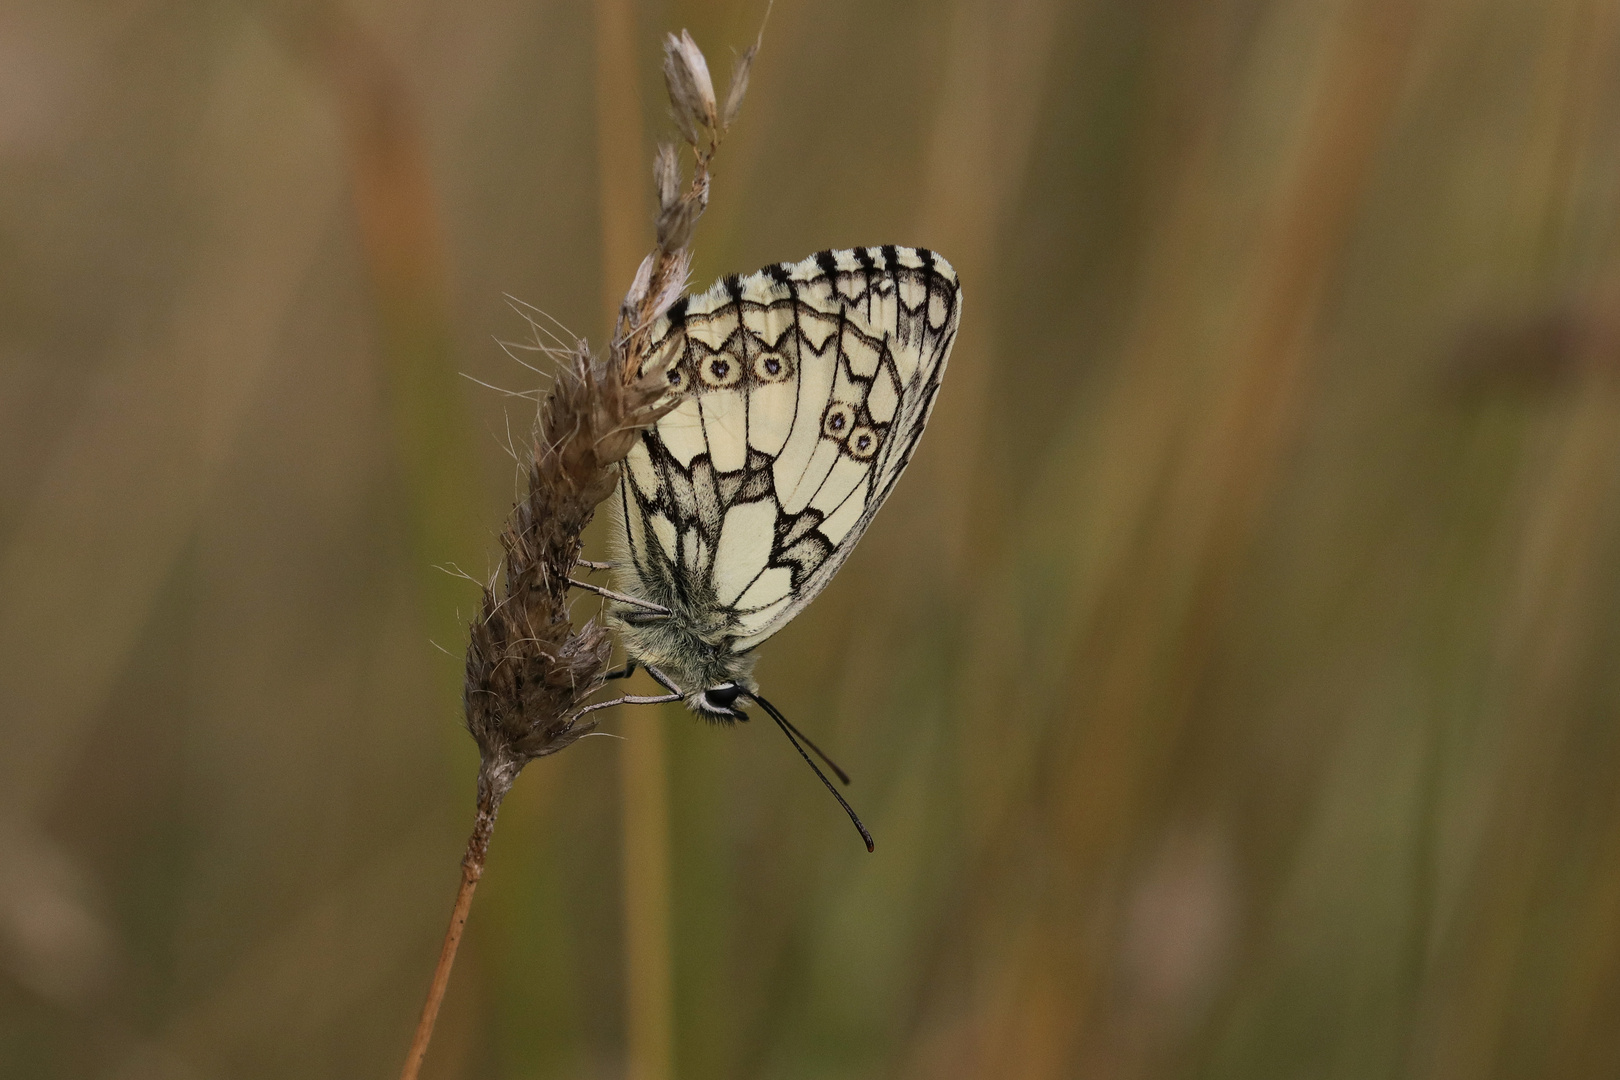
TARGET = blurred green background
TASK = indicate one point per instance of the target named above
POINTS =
(1231, 685)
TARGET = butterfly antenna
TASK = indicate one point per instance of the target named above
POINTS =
(797, 734)
(789, 730)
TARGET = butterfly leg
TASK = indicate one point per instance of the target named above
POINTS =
(589, 565)
(648, 605)
(625, 672)
(628, 699)
(664, 680)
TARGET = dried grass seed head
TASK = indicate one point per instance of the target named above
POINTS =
(691, 91)
(666, 177)
(640, 286)
(677, 222)
(529, 670)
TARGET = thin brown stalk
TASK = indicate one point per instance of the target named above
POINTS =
(472, 868)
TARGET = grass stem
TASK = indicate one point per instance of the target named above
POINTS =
(472, 868)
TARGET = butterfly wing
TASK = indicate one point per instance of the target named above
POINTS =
(806, 387)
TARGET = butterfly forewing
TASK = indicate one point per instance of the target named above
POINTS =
(804, 388)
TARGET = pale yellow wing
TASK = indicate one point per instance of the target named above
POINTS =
(806, 387)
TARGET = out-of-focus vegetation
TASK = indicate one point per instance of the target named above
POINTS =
(1232, 685)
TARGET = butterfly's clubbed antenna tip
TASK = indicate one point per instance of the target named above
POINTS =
(795, 737)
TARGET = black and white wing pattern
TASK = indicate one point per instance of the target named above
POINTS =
(806, 388)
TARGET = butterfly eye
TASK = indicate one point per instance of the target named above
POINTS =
(720, 370)
(862, 442)
(722, 701)
(770, 367)
(837, 421)
(723, 696)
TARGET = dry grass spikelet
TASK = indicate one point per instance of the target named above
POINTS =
(528, 669)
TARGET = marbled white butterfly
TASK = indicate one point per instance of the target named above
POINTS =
(804, 388)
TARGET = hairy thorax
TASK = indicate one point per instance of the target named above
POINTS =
(692, 644)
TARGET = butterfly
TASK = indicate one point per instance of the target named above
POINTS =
(803, 389)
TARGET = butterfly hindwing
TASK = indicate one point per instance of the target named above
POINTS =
(804, 388)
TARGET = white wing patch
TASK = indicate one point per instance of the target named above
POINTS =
(816, 327)
(836, 527)
(883, 398)
(745, 546)
(861, 352)
(806, 387)
(774, 583)
(725, 430)
(664, 530)
(682, 432)
(770, 416)
(639, 462)
(846, 473)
